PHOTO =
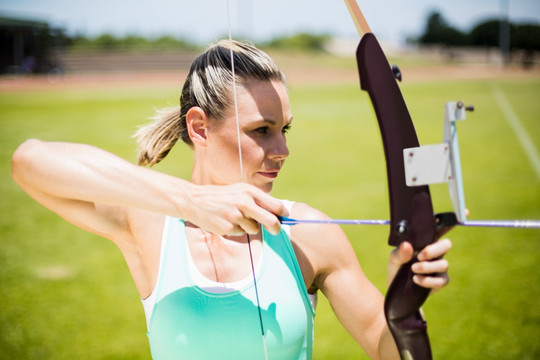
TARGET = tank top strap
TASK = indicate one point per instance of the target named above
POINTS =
(172, 271)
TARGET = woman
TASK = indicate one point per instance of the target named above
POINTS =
(208, 256)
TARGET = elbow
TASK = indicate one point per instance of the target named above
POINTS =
(21, 161)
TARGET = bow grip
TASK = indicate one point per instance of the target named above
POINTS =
(403, 301)
(401, 309)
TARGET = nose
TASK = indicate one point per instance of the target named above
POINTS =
(279, 149)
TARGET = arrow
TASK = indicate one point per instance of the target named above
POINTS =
(526, 224)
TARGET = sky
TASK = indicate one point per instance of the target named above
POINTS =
(204, 21)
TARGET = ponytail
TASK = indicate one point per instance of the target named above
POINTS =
(156, 139)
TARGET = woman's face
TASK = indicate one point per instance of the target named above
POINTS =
(264, 117)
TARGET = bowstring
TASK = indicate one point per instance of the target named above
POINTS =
(235, 98)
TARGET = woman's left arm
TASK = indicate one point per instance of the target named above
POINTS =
(329, 263)
(357, 303)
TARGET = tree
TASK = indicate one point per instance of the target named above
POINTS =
(438, 31)
(525, 37)
(487, 33)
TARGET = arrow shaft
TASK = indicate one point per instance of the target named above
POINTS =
(289, 221)
(526, 224)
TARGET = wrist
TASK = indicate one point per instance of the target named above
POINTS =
(184, 199)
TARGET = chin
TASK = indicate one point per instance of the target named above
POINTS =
(267, 188)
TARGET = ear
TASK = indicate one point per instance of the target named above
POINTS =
(197, 125)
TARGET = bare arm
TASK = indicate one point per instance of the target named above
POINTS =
(93, 188)
(329, 264)
(358, 305)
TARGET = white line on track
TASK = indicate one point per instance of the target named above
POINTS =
(514, 122)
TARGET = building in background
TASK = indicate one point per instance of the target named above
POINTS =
(28, 47)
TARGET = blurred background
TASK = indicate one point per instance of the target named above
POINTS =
(93, 71)
(61, 37)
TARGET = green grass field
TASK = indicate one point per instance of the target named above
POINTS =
(67, 294)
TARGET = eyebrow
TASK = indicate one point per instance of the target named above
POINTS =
(274, 122)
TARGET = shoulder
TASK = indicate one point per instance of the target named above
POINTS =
(315, 232)
(324, 247)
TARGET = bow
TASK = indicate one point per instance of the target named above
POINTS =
(411, 211)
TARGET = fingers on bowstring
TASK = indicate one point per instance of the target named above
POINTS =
(255, 215)
(227, 225)
(266, 209)
(248, 226)
(270, 203)
(246, 215)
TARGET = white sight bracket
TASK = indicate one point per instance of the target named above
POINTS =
(440, 163)
(434, 164)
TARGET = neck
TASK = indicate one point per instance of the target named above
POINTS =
(225, 239)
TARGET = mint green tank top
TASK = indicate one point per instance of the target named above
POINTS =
(188, 322)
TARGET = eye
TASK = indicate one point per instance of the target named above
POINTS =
(286, 129)
(262, 130)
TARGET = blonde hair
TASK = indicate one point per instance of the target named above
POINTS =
(208, 86)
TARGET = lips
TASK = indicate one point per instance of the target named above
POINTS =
(269, 174)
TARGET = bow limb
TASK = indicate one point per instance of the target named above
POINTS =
(411, 211)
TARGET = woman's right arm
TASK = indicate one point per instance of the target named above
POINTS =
(93, 189)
